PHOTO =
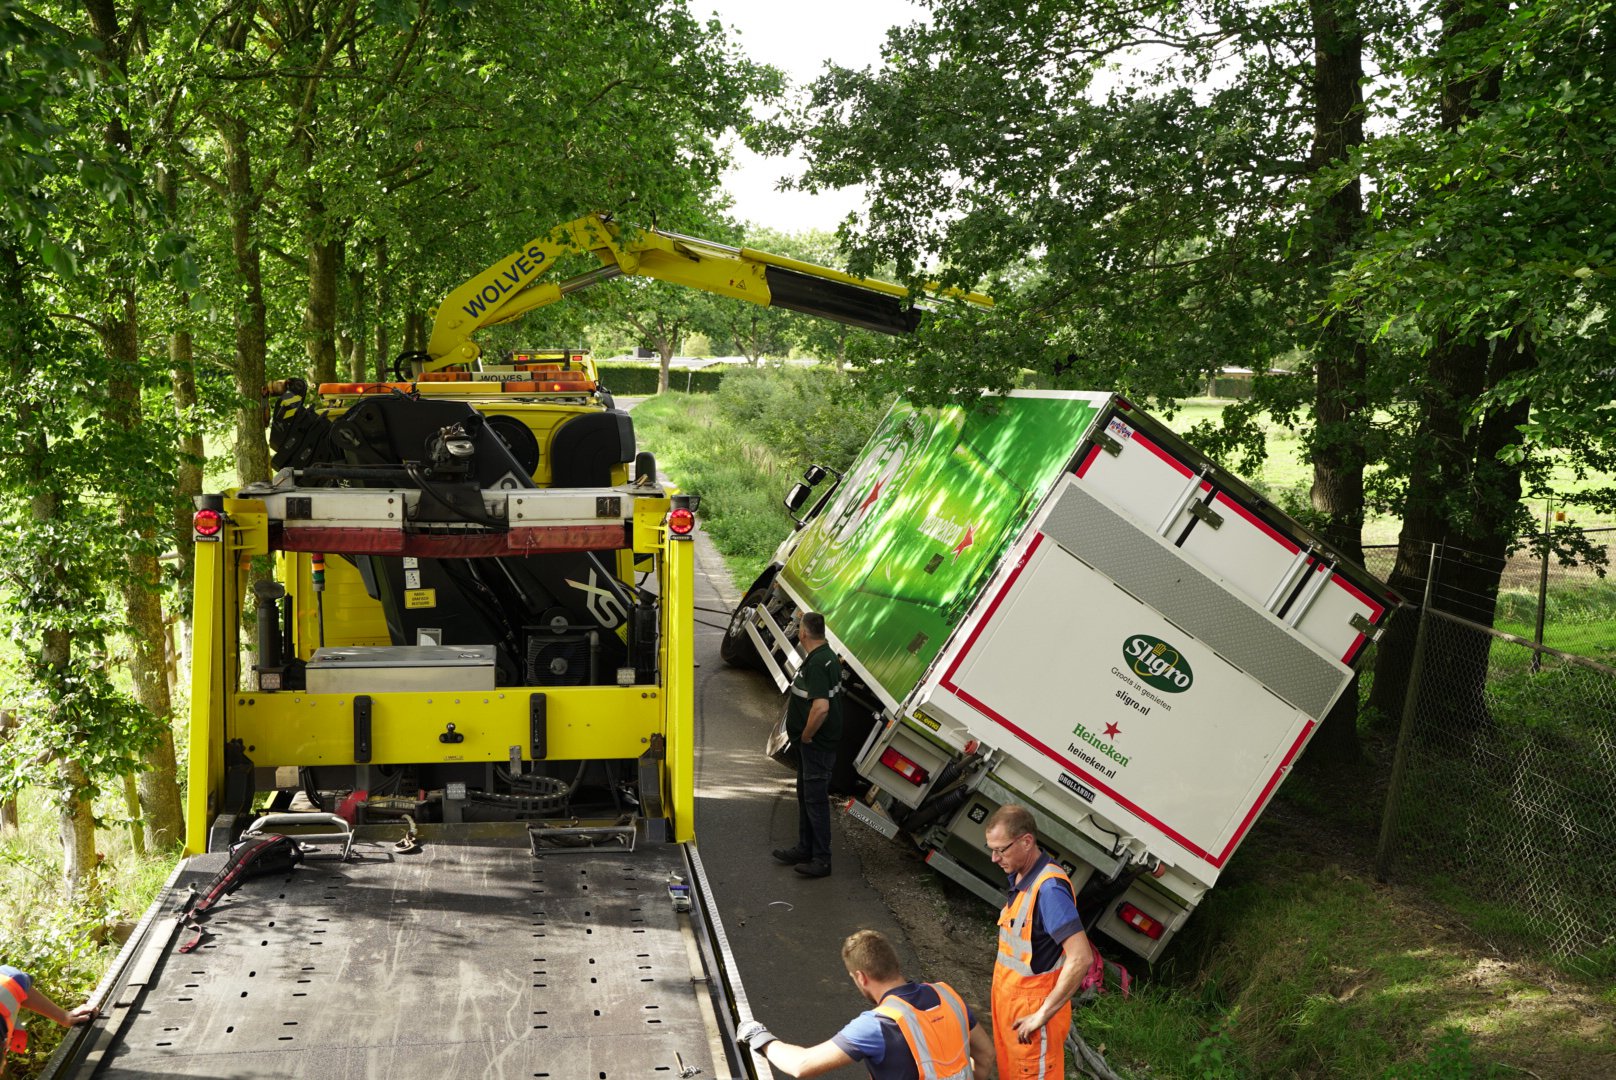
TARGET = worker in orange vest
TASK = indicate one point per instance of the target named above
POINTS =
(916, 1031)
(17, 992)
(1043, 952)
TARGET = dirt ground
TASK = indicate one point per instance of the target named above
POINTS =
(952, 932)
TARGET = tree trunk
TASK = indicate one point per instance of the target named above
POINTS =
(665, 351)
(142, 584)
(76, 824)
(355, 328)
(157, 785)
(8, 807)
(1459, 494)
(1340, 410)
(320, 321)
(415, 329)
(182, 378)
(252, 452)
(76, 816)
(384, 356)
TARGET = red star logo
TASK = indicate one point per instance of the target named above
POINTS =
(1111, 731)
(875, 493)
(967, 541)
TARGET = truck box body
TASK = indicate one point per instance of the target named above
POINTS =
(1059, 603)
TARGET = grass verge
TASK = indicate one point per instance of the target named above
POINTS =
(66, 945)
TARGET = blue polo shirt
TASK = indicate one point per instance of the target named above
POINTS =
(1055, 916)
(23, 980)
(877, 1040)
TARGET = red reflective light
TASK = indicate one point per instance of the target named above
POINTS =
(1132, 916)
(681, 522)
(903, 766)
(577, 358)
(207, 522)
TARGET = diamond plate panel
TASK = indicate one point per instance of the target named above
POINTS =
(1160, 577)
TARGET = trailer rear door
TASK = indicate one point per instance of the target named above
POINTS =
(1143, 470)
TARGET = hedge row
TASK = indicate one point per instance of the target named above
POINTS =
(639, 380)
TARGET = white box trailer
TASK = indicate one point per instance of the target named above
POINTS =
(1138, 648)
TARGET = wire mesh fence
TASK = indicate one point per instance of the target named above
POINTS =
(1566, 606)
(1502, 798)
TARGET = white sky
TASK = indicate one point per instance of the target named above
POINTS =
(799, 39)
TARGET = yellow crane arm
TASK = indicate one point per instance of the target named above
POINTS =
(514, 285)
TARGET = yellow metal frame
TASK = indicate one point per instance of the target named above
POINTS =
(514, 285)
(298, 728)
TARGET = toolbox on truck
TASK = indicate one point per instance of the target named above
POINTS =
(372, 669)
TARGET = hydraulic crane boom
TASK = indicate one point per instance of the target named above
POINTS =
(515, 285)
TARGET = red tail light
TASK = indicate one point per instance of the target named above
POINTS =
(681, 521)
(904, 767)
(208, 522)
(1138, 920)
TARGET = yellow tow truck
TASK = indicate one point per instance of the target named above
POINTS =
(469, 698)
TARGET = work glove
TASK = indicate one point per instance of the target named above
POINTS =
(754, 1035)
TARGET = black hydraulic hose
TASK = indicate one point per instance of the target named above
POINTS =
(922, 818)
(414, 473)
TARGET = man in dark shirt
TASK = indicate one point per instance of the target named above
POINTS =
(814, 722)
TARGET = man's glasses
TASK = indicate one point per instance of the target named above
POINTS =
(995, 852)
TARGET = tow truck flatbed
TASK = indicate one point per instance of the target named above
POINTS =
(470, 957)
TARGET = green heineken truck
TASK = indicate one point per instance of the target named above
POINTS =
(1048, 598)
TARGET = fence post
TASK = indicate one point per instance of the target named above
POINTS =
(1542, 589)
(1411, 697)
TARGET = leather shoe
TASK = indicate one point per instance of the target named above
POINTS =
(791, 856)
(816, 868)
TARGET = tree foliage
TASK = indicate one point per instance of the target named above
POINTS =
(195, 199)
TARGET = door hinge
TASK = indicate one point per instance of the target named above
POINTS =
(1204, 512)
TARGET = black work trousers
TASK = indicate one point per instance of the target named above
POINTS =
(813, 801)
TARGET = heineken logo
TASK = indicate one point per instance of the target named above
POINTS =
(1158, 663)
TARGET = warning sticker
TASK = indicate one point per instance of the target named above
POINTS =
(412, 579)
(421, 598)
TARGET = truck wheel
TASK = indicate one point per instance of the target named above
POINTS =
(737, 649)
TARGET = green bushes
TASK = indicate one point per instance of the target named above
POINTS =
(743, 447)
(640, 380)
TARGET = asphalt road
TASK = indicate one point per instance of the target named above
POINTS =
(785, 930)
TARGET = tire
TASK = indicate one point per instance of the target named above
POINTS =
(737, 649)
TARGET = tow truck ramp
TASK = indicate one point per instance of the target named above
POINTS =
(484, 955)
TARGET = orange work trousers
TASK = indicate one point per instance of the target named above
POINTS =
(1015, 996)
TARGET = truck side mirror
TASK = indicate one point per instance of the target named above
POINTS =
(796, 497)
(813, 475)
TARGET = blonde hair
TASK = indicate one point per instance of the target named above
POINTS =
(870, 952)
(1015, 820)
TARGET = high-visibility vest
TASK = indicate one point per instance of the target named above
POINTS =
(1015, 924)
(12, 995)
(1018, 991)
(938, 1037)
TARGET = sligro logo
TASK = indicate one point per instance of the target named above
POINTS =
(1158, 663)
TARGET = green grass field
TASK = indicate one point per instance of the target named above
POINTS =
(1285, 470)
